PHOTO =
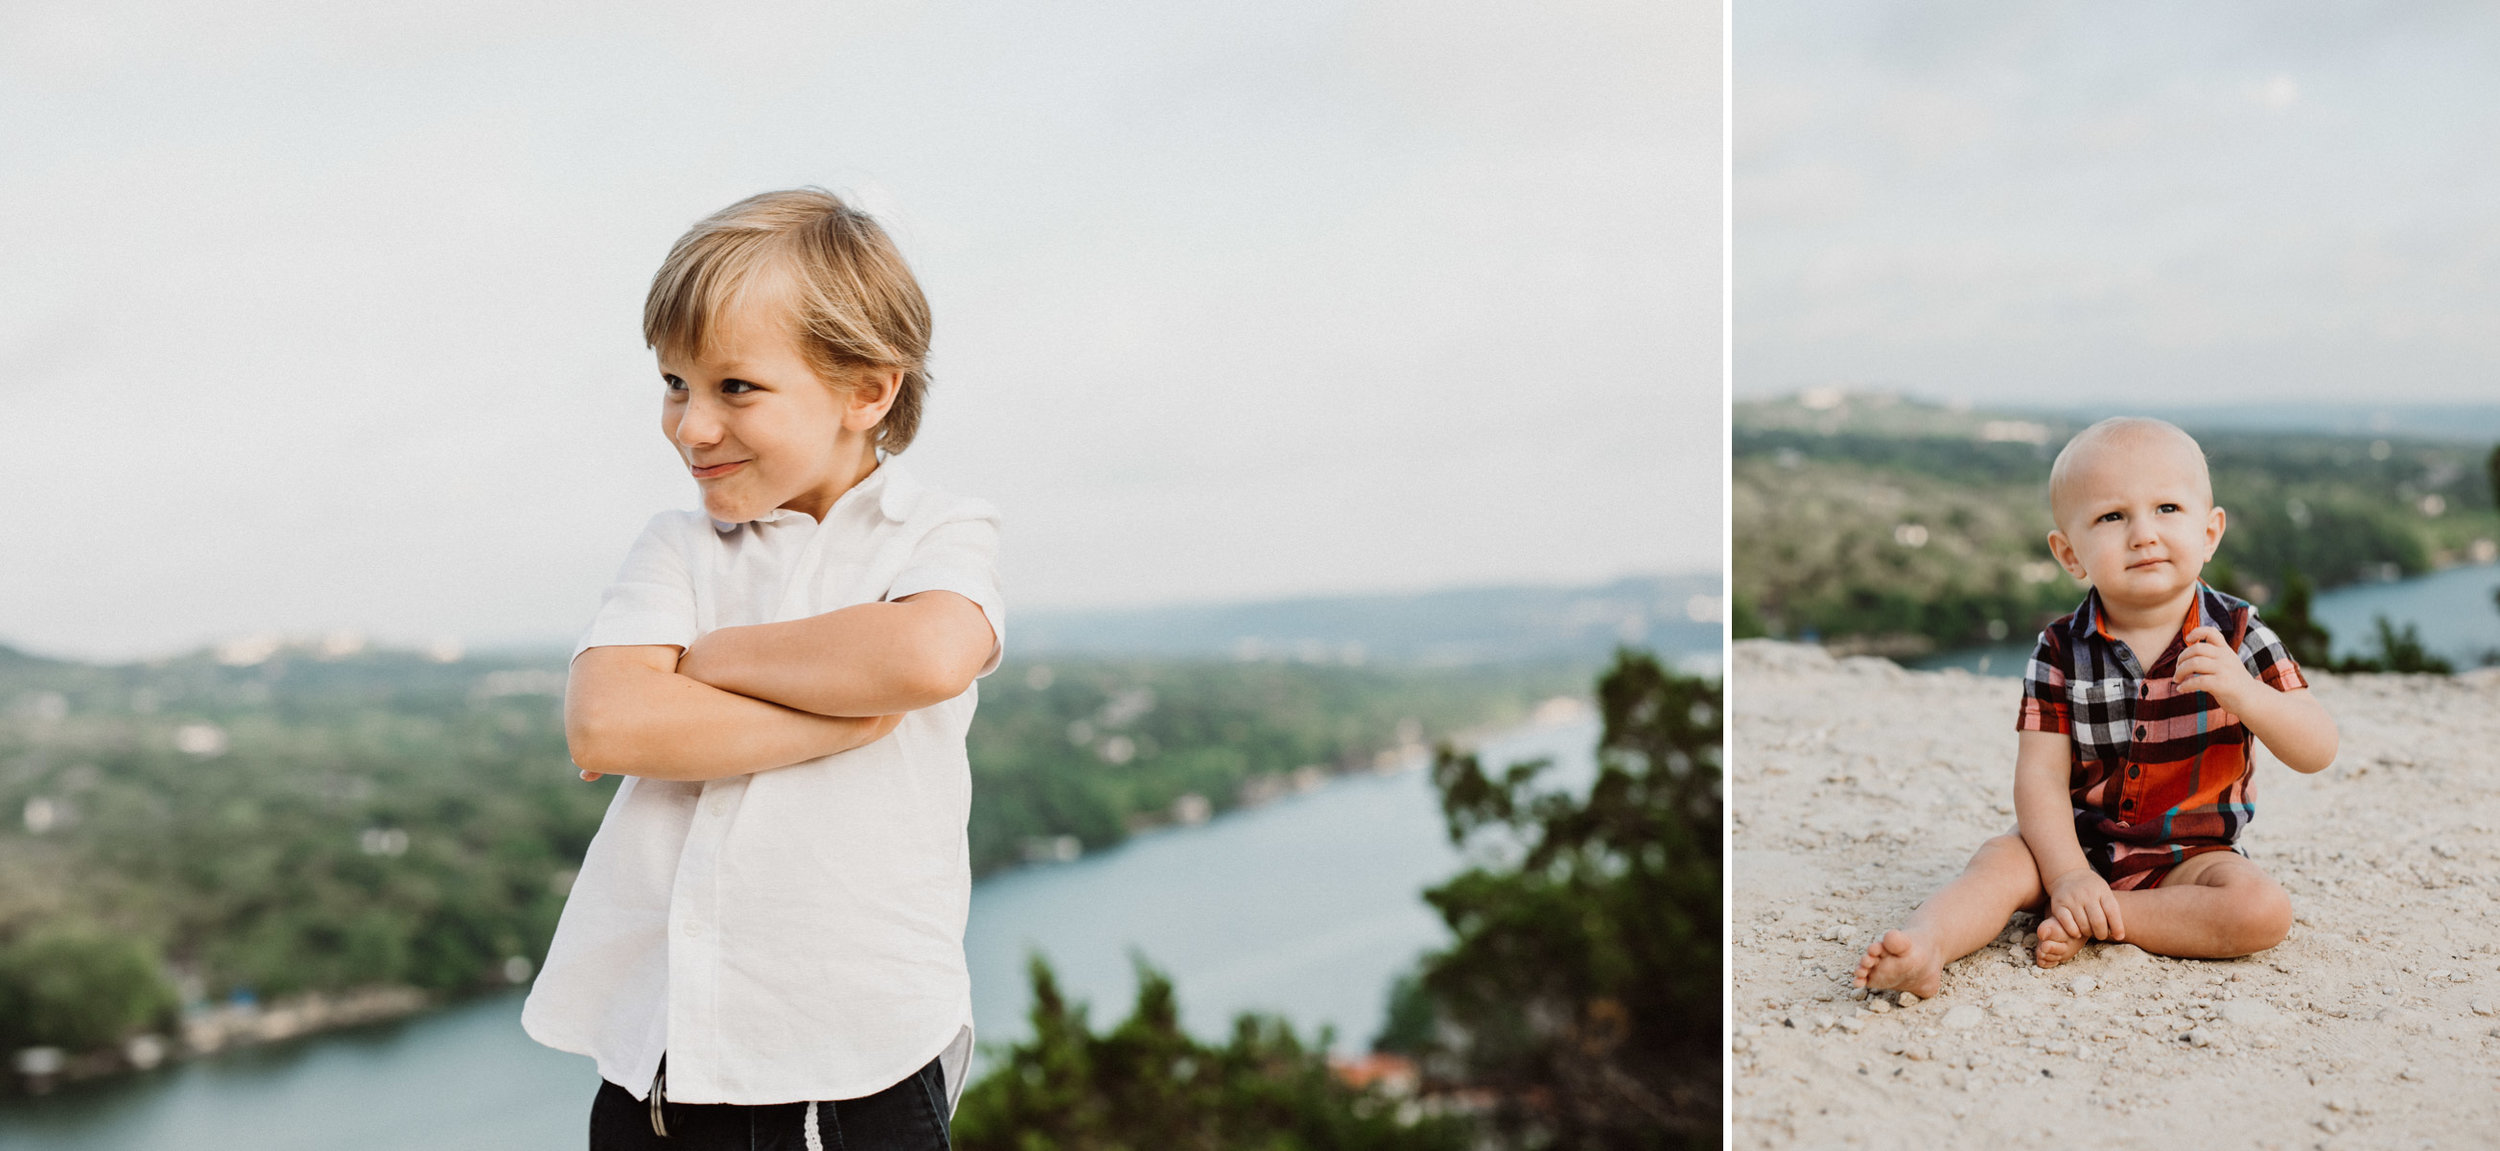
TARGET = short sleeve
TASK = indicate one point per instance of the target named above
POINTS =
(2045, 704)
(2263, 653)
(960, 555)
(652, 600)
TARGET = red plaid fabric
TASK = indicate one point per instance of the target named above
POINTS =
(2159, 774)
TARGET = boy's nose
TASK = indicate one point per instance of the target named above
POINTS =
(697, 424)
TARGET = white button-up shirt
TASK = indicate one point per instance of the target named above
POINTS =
(795, 934)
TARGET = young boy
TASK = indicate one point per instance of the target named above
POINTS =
(775, 900)
(2131, 781)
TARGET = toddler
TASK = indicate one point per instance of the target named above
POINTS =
(2131, 782)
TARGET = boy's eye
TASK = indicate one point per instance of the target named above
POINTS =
(672, 383)
(736, 387)
(2166, 508)
(2111, 517)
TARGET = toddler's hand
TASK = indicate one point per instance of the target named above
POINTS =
(2083, 904)
(589, 776)
(2209, 665)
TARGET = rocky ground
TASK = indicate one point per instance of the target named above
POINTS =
(1859, 788)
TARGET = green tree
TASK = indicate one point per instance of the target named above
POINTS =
(78, 989)
(1148, 1085)
(1583, 989)
(2303, 636)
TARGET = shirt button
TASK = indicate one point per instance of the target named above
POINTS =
(2139, 731)
(2129, 804)
(692, 930)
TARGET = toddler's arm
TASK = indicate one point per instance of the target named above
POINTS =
(2078, 897)
(2292, 724)
(628, 711)
(868, 659)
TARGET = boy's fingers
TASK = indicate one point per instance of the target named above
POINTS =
(2117, 927)
(589, 775)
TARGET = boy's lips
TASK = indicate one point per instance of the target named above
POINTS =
(715, 471)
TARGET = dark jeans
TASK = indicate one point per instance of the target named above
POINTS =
(909, 1116)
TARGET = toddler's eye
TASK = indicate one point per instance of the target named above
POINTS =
(736, 387)
(2166, 508)
(672, 383)
(2110, 517)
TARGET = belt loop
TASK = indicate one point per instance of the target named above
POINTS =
(659, 1096)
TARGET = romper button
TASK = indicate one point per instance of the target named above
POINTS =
(2139, 731)
(2133, 772)
(692, 929)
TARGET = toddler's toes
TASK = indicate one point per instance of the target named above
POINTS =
(2055, 945)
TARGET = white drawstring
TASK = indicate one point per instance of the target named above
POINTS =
(815, 1142)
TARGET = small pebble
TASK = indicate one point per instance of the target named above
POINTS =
(2084, 984)
(1876, 1004)
(2487, 1007)
(1963, 1017)
(1909, 1000)
(2200, 1037)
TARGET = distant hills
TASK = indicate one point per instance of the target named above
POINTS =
(1676, 615)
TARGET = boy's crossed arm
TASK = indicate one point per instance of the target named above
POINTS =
(750, 699)
(867, 659)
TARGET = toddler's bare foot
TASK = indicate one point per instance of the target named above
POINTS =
(1900, 961)
(2055, 945)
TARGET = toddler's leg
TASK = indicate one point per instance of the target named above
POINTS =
(2000, 880)
(2213, 906)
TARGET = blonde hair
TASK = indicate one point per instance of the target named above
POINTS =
(854, 303)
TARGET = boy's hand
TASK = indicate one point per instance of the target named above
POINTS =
(2083, 904)
(2209, 665)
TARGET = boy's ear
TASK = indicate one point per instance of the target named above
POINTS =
(2064, 553)
(871, 394)
(2213, 532)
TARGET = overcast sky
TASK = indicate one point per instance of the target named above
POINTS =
(325, 316)
(2126, 201)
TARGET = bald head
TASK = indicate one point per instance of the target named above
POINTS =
(2118, 445)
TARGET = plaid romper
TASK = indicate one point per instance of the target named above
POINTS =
(2159, 774)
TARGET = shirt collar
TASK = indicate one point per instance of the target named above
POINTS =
(2096, 621)
(895, 491)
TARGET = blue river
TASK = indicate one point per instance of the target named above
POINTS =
(2453, 611)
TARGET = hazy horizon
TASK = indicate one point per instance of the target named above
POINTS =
(336, 308)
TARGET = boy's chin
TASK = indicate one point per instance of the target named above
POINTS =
(729, 509)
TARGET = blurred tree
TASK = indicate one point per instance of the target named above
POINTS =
(79, 989)
(1147, 1085)
(1583, 989)
(2401, 650)
(2303, 636)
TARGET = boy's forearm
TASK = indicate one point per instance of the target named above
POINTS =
(868, 659)
(2043, 808)
(2293, 725)
(634, 718)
